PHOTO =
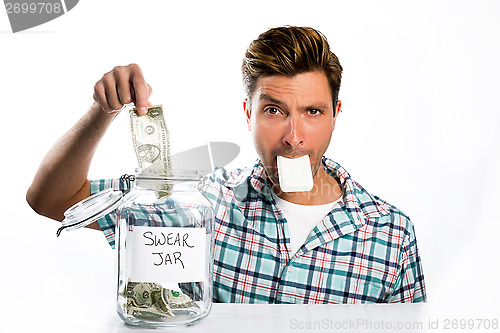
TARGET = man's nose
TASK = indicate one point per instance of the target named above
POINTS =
(294, 137)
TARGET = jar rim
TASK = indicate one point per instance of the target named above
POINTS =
(173, 175)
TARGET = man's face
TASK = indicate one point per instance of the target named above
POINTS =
(291, 117)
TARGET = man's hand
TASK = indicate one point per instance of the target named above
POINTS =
(120, 86)
(61, 180)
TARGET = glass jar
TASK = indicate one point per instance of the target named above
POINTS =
(164, 244)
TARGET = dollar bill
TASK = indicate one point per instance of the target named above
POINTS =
(148, 313)
(151, 141)
(177, 299)
(141, 293)
(160, 304)
(150, 301)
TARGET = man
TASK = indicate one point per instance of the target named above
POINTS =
(335, 243)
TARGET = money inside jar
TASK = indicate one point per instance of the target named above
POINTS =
(149, 300)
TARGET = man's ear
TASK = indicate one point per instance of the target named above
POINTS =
(338, 109)
(247, 111)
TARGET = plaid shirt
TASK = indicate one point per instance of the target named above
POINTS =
(363, 251)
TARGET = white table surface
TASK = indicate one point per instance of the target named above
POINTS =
(330, 318)
(271, 318)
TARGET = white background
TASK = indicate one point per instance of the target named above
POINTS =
(420, 128)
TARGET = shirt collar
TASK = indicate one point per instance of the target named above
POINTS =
(255, 174)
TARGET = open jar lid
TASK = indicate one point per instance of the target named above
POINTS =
(91, 209)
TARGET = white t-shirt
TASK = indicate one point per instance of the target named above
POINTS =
(302, 219)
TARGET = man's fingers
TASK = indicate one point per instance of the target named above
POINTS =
(111, 91)
(143, 111)
(100, 96)
(141, 89)
(123, 85)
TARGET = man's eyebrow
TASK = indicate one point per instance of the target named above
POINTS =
(318, 106)
(266, 97)
(321, 106)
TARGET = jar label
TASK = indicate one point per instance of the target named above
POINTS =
(167, 254)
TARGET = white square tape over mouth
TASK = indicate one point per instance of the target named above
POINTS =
(295, 174)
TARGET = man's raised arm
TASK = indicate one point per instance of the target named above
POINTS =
(61, 180)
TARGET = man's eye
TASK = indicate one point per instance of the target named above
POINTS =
(271, 110)
(315, 112)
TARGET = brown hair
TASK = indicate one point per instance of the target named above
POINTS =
(290, 51)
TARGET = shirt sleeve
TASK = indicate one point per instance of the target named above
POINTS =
(410, 285)
(108, 222)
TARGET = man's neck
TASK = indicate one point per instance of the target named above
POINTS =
(326, 189)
